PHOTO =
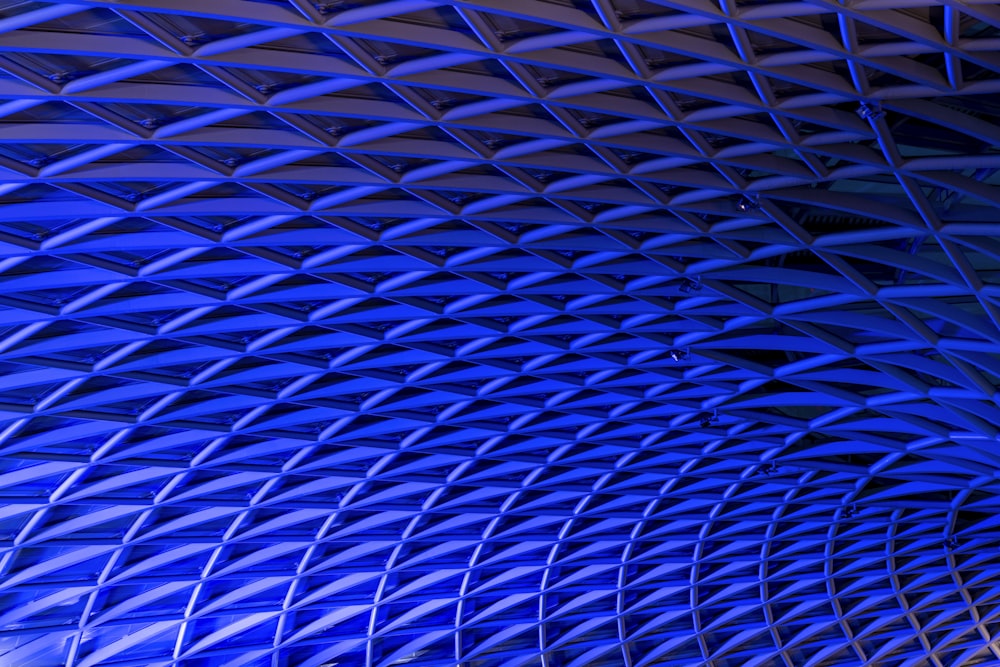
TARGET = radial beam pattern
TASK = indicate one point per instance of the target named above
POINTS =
(499, 333)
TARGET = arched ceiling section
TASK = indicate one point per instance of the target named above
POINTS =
(499, 333)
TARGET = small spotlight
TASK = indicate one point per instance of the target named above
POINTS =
(708, 420)
(747, 204)
(870, 110)
(850, 511)
(951, 543)
(677, 355)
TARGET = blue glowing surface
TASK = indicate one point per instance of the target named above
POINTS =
(499, 333)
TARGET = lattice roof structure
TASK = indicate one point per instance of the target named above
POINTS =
(499, 333)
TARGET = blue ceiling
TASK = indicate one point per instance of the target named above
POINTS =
(499, 333)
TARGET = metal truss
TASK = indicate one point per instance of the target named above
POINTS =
(497, 333)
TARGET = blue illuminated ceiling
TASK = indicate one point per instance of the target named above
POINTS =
(499, 333)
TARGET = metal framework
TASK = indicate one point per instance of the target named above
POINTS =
(497, 333)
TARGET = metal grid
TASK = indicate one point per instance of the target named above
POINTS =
(565, 333)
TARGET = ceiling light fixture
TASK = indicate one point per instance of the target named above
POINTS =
(748, 203)
(870, 110)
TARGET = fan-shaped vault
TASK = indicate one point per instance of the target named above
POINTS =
(555, 333)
